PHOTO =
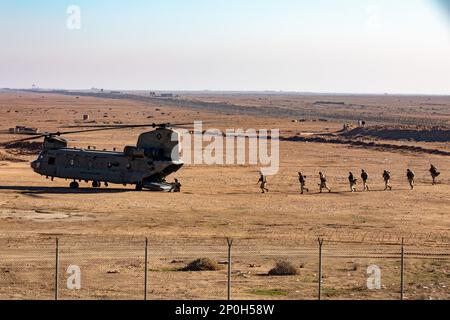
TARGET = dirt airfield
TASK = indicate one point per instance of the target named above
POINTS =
(224, 201)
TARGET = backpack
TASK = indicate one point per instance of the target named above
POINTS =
(364, 176)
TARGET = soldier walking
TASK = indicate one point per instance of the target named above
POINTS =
(323, 182)
(364, 177)
(352, 181)
(434, 173)
(410, 175)
(387, 179)
(262, 183)
(302, 181)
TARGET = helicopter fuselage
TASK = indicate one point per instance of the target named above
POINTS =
(146, 164)
(102, 166)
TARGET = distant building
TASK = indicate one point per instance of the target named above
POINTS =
(167, 95)
(23, 130)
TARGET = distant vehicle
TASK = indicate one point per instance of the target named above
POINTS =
(146, 165)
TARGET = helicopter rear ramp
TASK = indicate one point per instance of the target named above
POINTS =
(158, 186)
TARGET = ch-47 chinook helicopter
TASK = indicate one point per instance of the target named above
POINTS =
(146, 165)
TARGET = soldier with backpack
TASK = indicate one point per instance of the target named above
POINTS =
(410, 175)
(364, 177)
(302, 181)
(387, 179)
(323, 182)
(434, 173)
(262, 183)
(352, 181)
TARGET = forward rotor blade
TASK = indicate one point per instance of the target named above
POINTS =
(23, 140)
(59, 133)
(95, 128)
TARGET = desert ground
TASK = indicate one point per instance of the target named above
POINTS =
(103, 230)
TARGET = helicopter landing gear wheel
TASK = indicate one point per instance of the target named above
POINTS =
(96, 184)
(74, 185)
(139, 187)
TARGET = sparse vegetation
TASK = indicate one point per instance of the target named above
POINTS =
(283, 268)
(269, 292)
(203, 264)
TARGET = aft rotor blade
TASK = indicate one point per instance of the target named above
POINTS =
(81, 131)
(124, 126)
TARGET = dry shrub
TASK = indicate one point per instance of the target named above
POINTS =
(283, 268)
(6, 157)
(203, 264)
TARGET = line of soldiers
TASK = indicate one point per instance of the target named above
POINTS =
(352, 180)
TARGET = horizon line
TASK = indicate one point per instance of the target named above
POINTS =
(230, 91)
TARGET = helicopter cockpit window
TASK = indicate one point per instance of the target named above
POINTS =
(51, 160)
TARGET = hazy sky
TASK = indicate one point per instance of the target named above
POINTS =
(360, 46)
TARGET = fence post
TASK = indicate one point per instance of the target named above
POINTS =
(146, 269)
(320, 268)
(230, 243)
(402, 271)
(56, 268)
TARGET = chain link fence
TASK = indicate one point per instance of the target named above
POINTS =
(125, 268)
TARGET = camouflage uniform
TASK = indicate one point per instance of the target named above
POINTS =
(410, 175)
(323, 182)
(176, 186)
(387, 178)
(365, 177)
(434, 173)
(352, 181)
(302, 181)
(262, 183)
